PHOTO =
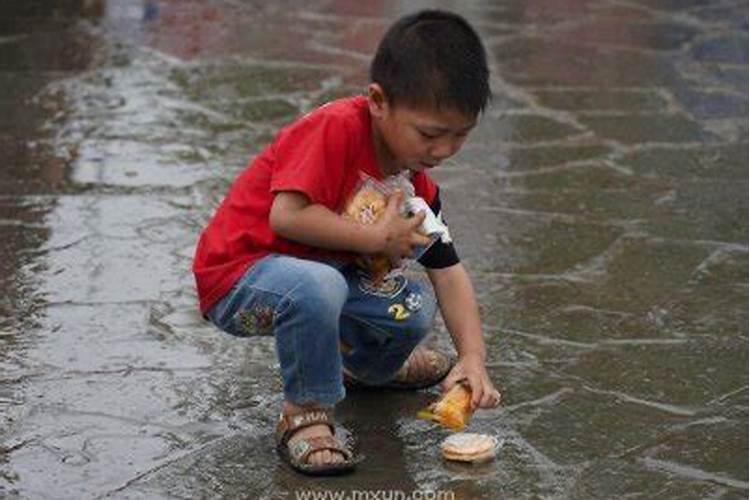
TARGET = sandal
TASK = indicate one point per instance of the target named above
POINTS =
(408, 377)
(297, 453)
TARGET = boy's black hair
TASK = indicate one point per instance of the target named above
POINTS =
(433, 58)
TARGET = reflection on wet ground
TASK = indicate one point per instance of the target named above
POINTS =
(601, 207)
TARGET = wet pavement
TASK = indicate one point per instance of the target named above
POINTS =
(601, 207)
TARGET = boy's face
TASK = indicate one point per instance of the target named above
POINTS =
(415, 139)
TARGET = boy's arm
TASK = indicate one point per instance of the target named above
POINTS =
(294, 217)
(458, 305)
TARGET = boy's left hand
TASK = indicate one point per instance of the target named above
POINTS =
(472, 370)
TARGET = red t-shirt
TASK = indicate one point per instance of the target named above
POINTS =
(320, 155)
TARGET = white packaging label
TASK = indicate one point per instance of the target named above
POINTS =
(432, 225)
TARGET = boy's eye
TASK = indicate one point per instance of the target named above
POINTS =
(427, 135)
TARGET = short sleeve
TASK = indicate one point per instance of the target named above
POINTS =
(310, 157)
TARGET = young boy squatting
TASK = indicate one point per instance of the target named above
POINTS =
(277, 256)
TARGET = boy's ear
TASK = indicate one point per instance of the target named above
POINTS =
(377, 100)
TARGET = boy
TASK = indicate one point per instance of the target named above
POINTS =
(277, 257)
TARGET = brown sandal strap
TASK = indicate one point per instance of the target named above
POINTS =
(289, 424)
(301, 449)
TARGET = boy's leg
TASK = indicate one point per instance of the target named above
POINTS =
(382, 325)
(299, 302)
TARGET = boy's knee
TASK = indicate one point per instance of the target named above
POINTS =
(321, 288)
(422, 307)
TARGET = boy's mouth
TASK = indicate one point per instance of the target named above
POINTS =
(421, 165)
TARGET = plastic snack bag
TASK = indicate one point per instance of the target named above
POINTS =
(368, 204)
(453, 410)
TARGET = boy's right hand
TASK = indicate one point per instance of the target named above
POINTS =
(400, 234)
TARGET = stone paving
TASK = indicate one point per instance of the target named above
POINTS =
(601, 207)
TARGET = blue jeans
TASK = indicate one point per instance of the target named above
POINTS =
(326, 316)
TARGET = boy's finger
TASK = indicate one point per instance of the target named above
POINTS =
(394, 201)
(487, 400)
(452, 379)
(419, 240)
(476, 391)
(446, 384)
(417, 220)
(491, 397)
(497, 398)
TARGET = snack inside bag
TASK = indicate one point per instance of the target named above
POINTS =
(453, 410)
(367, 205)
